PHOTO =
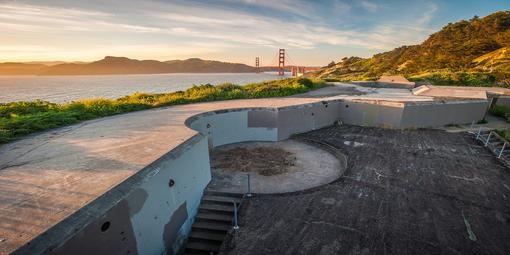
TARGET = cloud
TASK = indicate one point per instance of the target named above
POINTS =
(300, 8)
(340, 7)
(369, 6)
(428, 14)
(178, 28)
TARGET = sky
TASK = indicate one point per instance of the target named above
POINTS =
(312, 32)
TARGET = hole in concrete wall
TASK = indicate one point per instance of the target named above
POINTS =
(105, 226)
(326, 105)
(346, 106)
(312, 113)
(208, 125)
(171, 183)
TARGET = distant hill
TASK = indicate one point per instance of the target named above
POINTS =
(477, 48)
(122, 65)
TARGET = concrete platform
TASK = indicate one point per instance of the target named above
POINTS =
(89, 169)
(404, 192)
(312, 167)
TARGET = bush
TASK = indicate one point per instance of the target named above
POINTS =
(505, 133)
(22, 118)
(457, 78)
(501, 111)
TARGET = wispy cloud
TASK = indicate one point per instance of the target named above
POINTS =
(178, 28)
(369, 6)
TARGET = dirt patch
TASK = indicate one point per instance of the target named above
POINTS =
(265, 161)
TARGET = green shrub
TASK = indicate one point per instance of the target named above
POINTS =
(501, 111)
(457, 78)
(505, 133)
(22, 118)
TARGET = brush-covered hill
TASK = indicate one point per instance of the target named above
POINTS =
(122, 65)
(470, 52)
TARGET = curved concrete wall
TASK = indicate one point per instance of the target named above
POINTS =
(147, 215)
(263, 124)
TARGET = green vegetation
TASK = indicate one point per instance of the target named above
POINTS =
(461, 79)
(22, 118)
(501, 111)
(505, 133)
(471, 52)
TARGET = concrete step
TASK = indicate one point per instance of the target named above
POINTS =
(198, 246)
(195, 252)
(216, 207)
(222, 194)
(215, 216)
(221, 199)
(222, 227)
(197, 234)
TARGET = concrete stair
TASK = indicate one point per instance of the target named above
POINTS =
(212, 222)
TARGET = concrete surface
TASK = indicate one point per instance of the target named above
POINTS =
(461, 91)
(56, 185)
(404, 192)
(450, 92)
(313, 167)
(493, 122)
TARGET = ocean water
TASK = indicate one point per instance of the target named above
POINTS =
(68, 88)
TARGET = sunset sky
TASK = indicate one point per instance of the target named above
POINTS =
(313, 32)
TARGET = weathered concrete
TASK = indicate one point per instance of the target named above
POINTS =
(450, 92)
(313, 167)
(56, 185)
(463, 92)
(440, 113)
(386, 84)
(404, 192)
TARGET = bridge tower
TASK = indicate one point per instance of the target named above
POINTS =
(281, 62)
(257, 64)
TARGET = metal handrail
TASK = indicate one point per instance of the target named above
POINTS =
(236, 226)
(237, 206)
(486, 141)
(502, 149)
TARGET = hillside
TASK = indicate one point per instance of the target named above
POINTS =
(477, 47)
(122, 65)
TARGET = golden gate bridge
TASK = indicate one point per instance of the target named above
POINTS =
(282, 58)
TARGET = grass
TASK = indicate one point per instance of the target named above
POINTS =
(501, 111)
(478, 79)
(505, 133)
(504, 112)
(22, 118)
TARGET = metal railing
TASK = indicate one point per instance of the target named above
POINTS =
(486, 140)
(237, 206)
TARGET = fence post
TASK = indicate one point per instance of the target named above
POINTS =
(488, 138)
(249, 187)
(236, 227)
(478, 134)
(502, 149)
